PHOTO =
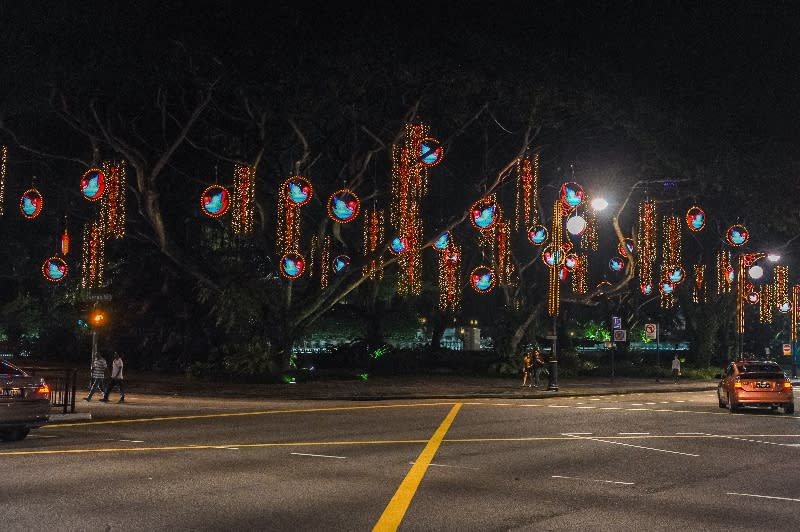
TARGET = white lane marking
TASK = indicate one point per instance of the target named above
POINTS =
(690, 433)
(610, 408)
(636, 446)
(595, 480)
(227, 448)
(591, 407)
(559, 406)
(576, 433)
(633, 433)
(636, 404)
(319, 455)
(681, 401)
(638, 409)
(756, 441)
(763, 496)
(453, 466)
(501, 404)
(664, 402)
(133, 441)
(532, 405)
(652, 403)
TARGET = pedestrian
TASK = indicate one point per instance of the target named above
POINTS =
(676, 368)
(538, 367)
(99, 367)
(116, 379)
(527, 368)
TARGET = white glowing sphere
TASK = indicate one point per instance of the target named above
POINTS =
(576, 225)
(756, 272)
(599, 204)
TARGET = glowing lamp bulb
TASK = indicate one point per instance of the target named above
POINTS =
(599, 204)
(756, 272)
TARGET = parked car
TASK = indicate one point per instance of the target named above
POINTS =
(755, 384)
(24, 402)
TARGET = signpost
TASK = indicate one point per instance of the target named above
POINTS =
(787, 350)
(616, 322)
(651, 330)
(620, 335)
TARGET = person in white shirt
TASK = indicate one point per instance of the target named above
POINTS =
(676, 368)
(116, 379)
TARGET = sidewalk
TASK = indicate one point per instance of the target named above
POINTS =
(160, 396)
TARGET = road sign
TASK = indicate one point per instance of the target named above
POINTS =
(97, 297)
(620, 335)
(787, 350)
(651, 330)
(616, 322)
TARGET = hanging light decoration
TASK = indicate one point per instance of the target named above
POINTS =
(244, 199)
(93, 260)
(557, 239)
(293, 265)
(324, 261)
(64, 240)
(580, 274)
(398, 245)
(505, 264)
(725, 272)
(744, 287)
(589, 239)
(55, 269)
(571, 261)
(343, 206)
(571, 196)
(3, 169)
(31, 203)
(442, 241)
(626, 248)
(699, 292)
(93, 184)
(526, 213)
(341, 263)
(782, 302)
(449, 279)
(795, 314)
(737, 235)
(537, 235)
(112, 204)
(576, 225)
(431, 152)
(616, 264)
(765, 314)
(646, 242)
(671, 258)
(482, 279)
(293, 193)
(298, 190)
(215, 201)
(373, 236)
(484, 214)
(696, 219)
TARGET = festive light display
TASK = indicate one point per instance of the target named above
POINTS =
(449, 279)
(65, 242)
(431, 152)
(626, 248)
(293, 265)
(553, 256)
(725, 272)
(482, 279)
(31, 203)
(373, 236)
(677, 275)
(745, 261)
(765, 314)
(537, 235)
(737, 235)
(526, 212)
(215, 201)
(112, 204)
(696, 219)
(563, 273)
(571, 261)
(3, 168)
(324, 261)
(616, 264)
(505, 266)
(576, 225)
(343, 206)
(589, 238)
(293, 193)
(646, 289)
(782, 302)
(93, 184)
(580, 274)
(341, 263)
(244, 199)
(699, 292)
(442, 241)
(398, 245)
(558, 256)
(55, 269)
(795, 311)
(571, 196)
(646, 242)
(753, 298)
(298, 190)
(671, 258)
(484, 213)
(94, 257)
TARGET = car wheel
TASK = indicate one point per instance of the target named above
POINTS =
(789, 409)
(731, 405)
(721, 402)
(15, 434)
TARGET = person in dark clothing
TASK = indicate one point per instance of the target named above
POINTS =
(116, 379)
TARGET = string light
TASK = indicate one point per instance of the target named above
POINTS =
(795, 313)
(31, 203)
(557, 239)
(765, 307)
(724, 272)
(112, 204)
(781, 292)
(699, 293)
(287, 235)
(745, 261)
(3, 168)
(580, 275)
(646, 242)
(244, 196)
(373, 237)
(93, 260)
(671, 256)
(449, 279)
(589, 239)
(505, 265)
(324, 262)
(526, 211)
(55, 269)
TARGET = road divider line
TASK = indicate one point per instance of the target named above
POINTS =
(594, 480)
(453, 466)
(396, 509)
(763, 496)
(319, 455)
(635, 446)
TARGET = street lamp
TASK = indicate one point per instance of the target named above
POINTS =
(599, 204)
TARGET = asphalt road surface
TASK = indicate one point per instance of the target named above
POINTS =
(624, 462)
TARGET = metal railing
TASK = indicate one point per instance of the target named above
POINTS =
(63, 384)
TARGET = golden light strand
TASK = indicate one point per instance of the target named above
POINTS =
(325, 262)
(781, 285)
(112, 204)
(795, 313)
(589, 240)
(646, 237)
(724, 266)
(505, 264)
(699, 293)
(671, 255)
(244, 196)
(580, 275)
(311, 255)
(557, 244)
(3, 168)
(287, 236)
(450, 279)
(373, 236)
(526, 211)
(93, 260)
(766, 303)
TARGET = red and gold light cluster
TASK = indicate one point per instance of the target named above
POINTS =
(112, 204)
(671, 255)
(3, 169)
(373, 237)
(795, 312)
(244, 199)
(589, 239)
(526, 212)
(646, 242)
(94, 251)
(724, 272)
(556, 247)
(505, 264)
(580, 274)
(699, 292)
(449, 278)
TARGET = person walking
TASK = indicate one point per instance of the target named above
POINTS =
(676, 368)
(527, 368)
(116, 379)
(99, 367)
(538, 367)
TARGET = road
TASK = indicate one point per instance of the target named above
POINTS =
(624, 462)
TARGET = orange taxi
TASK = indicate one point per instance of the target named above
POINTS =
(755, 384)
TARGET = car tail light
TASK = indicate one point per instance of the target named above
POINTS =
(43, 389)
(787, 384)
(737, 383)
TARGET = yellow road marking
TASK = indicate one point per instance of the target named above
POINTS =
(397, 507)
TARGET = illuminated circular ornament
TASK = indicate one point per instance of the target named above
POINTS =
(616, 264)
(627, 247)
(576, 225)
(93, 184)
(570, 261)
(553, 258)
(292, 265)
(696, 219)
(737, 235)
(431, 152)
(563, 273)
(298, 190)
(55, 269)
(343, 206)
(730, 274)
(677, 275)
(537, 235)
(215, 201)
(31, 203)
(756, 272)
(482, 279)
(398, 245)
(784, 307)
(646, 288)
(484, 213)
(442, 242)
(571, 195)
(666, 288)
(753, 298)
(341, 264)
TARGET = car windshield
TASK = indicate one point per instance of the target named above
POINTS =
(8, 369)
(748, 368)
(762, 375)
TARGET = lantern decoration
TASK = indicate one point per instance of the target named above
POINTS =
(553, 257)
(398, 245)
(449, 279)
(677, 275)
(753, 298)
(343, 206)
(55, 269)
(695, 219)
(557, 254)
(782, 302)
(537, 235)
(484, 213)
(580, 273)
(616, 264)
(3, 168)
(646, 241)
(626, 247)
(482, 279)
(765, 314)
(341, 263)
(745, 261)
(526, 212)
(112, 204)
(298, 190)
(571, 261)
(699, 292)
(31, 203)
(373, 236)
(671, 257)
(795, 311)
(431, 152)
(647, 289)
(505, 265)
(215, 201)
(442, 241)
(737, 235)
(571, 196)
(724, 270)
(576, 225)
(293, 265)
(93, 184)
(589, 239)
(244, 199)
(94, 256)
(410, 166)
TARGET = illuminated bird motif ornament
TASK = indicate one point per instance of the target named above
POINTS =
(677, 275)
(616, 264)
(298, 190)
(737, 235)
(215, 201)
(55, 269)
(482, 279)
(484, 214)
(646, 288)
(341, 263)
(292, 265)
(93, 184)
(695, 219)
(626, 248)
(537, 235)
(31, 203)
(431, 152)
(398, 245)
(442, 242)
(343, 206)
(571, 196)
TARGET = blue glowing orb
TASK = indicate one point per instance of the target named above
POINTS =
(677, 275)
(571, 195)
(482, 279)
(343, 206)
(398, 245)
(292, 265)
(298, 190)
(616, 264)
(696, 219)
(431, 152)
(215, 201)
(31, 203)
(484, 214)
(54, 269)
(341, 263)
(442, 242)
(537, 235)
(646, 288)
(737, 235)
(93, 184)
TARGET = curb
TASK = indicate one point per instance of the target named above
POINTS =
(78, 416)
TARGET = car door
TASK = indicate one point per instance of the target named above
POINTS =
(725, 384)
